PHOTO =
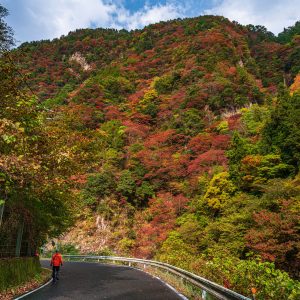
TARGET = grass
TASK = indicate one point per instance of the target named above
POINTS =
(179, 284)
(15, 271)
(38, 280)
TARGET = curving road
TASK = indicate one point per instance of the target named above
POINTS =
(80, 280)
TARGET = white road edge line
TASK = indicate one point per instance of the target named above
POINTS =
(172, 288)
(168, 285)
(31, 292)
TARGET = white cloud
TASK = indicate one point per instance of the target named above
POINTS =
(58, 17)
(39, 19)
(273, 14)
(148, 15)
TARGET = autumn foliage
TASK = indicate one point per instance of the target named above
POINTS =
(180, 137)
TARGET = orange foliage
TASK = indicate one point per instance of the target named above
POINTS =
(295, 87)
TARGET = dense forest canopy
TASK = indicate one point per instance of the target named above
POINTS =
(178, 142)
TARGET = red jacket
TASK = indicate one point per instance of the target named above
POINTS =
(56, 260)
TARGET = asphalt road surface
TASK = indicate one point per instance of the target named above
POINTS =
(80, 280)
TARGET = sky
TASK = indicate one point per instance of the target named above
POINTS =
(48, 19)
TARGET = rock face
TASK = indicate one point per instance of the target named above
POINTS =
(77, 57)
(89, 236)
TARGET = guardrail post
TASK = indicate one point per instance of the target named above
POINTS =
(129, 264)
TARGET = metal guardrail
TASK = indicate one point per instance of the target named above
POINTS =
(210, 287)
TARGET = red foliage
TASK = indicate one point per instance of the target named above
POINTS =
(163, 211)
(141, 118)
(275, 237)
(79, 179)
(112, 113)
(205, 161)
(135, 130)
(204, 142)
(200, 143)
(168, 105)
(159, 138)
(221, 141)
(135, 98)
(234, 122)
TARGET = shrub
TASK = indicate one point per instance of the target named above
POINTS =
(166, 83)
(242, 275)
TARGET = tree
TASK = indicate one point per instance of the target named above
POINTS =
(288, 33)
(36, 199)
(126, 184)
(6, 33)
(282, 130)
(97, 187)
(258, 169)
(239, 148)
(219, 191)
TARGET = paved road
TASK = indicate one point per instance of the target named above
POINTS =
(79, 280)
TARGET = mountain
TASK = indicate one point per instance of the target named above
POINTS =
(180, 142)
(208, 44)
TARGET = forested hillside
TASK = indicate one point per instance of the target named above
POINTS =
(179, 142)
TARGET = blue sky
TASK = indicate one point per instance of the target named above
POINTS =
(47, 19)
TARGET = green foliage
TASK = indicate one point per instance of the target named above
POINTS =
(148, 105)
(262, 34)
(112, 134)
(219, 191)
(60, 98)
(98, 186)
(68, 249)
(115, 88)
(188, 122)
(32, 185)
(202, 24)
(246, 274)
(126, 245)
(239, 148)
(288, 33)
(175, 252)
(258, 169)
(254, 118)
(144, 42)
(292, 64)
(126, 184)
(223, 127)
(282, 131)
(103, 252)
(144, 192)
(166, 83)
(6, 33)
(226, 232)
